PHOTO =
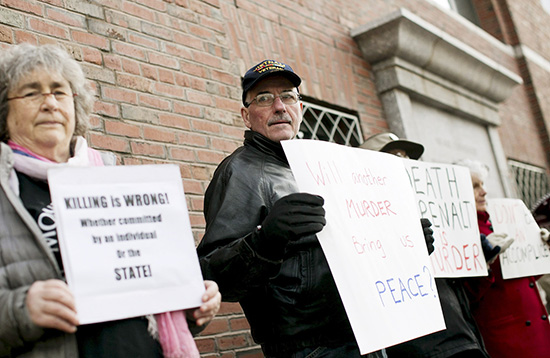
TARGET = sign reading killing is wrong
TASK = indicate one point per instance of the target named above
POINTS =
(125, 240)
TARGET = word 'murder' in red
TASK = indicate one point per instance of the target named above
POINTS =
(368, 208)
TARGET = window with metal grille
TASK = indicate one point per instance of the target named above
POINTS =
(531, 182)
(331, 125)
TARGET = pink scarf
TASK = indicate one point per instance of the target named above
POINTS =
(174, 335)
(36, 166)
(173, 332)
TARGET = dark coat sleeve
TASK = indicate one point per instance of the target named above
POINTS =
(235, 203)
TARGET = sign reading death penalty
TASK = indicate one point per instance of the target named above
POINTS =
(373, 241)
(528, 255)
(125, 240)
(444, 195)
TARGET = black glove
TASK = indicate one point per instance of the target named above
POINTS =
(428, 234)
(292, 217)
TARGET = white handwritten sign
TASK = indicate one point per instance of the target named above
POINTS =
(528, 255)
(125, 240)
(373, 241)
(444, 195)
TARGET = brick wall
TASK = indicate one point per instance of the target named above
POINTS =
(491, 18)
(167, 78)
(522, 131)
(541, 92)
(532, 24)
(167, 92)
(519, 131)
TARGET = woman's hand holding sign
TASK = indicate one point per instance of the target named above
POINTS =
(51, 304)
(211, 305)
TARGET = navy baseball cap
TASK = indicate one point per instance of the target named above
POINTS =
(268, 68)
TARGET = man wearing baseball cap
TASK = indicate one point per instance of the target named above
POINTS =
(260, 244)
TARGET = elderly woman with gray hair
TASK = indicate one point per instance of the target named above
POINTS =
(45, 102)
(510, 313)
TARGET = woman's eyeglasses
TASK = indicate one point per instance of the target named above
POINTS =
(38, 97)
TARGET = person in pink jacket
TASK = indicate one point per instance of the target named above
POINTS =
(510, 313)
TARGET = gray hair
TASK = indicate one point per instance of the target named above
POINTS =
(476, 167)
(19, 60)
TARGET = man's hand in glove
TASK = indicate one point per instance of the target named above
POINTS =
(291, 217)
(428, 234)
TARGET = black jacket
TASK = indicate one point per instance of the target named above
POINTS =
(461, 335)
(291, 301)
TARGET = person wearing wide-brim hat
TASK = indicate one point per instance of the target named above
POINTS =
(390, 143)
(461, 338)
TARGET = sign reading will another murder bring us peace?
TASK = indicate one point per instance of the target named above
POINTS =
(125, 240)
(373, 241)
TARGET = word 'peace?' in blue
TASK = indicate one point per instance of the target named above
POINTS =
(399, 290)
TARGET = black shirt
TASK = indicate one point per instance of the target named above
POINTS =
(35, 195)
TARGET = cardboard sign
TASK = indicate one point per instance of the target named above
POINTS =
(125, 240)
(373, 241)
(444, 195)
(528, 255)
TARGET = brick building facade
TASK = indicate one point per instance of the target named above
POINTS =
(167, 77)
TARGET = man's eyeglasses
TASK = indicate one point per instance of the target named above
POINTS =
(38, 97)
(267, 99)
